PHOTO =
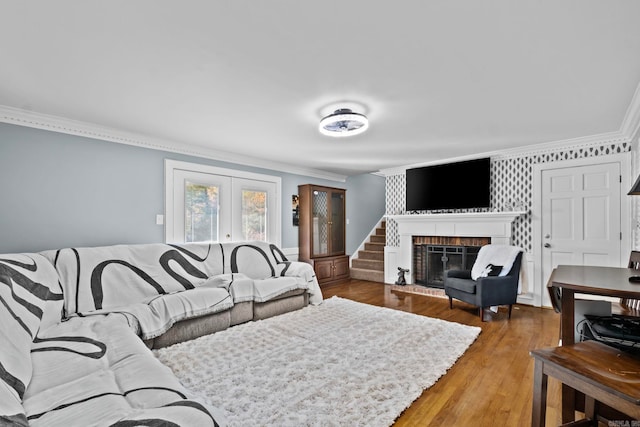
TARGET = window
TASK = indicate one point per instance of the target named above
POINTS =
(210, 204)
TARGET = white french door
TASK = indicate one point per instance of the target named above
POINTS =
(253, 201)
(208, 204)
(202, 207)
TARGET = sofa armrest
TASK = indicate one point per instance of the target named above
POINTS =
(306, 273)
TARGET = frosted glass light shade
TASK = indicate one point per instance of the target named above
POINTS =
(343, 122)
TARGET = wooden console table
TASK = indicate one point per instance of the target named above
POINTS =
(568, 280)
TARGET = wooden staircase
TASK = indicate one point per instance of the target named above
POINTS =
(369, 265)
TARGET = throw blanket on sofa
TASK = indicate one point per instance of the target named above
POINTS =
(160, 284)
(30, 299)
(95, 371)
(92, 371)
(501, 256)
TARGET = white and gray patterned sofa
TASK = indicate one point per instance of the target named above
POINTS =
(76, 325)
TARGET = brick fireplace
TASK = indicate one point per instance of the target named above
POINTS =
(433, 255)
(456, 229)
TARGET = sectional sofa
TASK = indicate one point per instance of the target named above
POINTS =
(77, 326)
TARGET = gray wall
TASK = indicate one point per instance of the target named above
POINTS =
(60, 190)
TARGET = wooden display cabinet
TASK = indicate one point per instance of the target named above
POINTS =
(321, 232)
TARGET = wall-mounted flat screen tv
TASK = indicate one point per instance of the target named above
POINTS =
(460, 185)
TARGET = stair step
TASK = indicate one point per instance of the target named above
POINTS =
(381, 232)
(374, 247)
(370, 275)
(368, 264)
(377, 239)
(375, 255)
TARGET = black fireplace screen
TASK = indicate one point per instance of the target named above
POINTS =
(431, 261)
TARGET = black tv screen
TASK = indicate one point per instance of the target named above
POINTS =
(461, 185)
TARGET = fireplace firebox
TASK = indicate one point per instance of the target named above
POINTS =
(431, 261)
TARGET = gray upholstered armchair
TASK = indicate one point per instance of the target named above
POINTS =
(485, 291)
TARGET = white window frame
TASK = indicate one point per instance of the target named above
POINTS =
(170, 166)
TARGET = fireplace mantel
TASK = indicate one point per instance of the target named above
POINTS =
(496, 225)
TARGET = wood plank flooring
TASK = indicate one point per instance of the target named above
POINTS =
(492, 383)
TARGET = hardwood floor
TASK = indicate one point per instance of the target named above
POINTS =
(492, 383)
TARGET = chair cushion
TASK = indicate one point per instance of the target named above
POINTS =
(463, 285)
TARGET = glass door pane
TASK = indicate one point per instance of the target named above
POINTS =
(201, 215)
(202, 208)
(320, 234)
(337, 223)
(254, 204)
(254, 215)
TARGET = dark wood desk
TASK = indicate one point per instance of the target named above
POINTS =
(568, 280)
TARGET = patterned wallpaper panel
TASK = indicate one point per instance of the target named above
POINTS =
(511, 187)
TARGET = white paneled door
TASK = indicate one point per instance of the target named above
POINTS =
(581, 221)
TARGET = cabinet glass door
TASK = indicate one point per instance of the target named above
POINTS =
(337, 223)
(320, 225)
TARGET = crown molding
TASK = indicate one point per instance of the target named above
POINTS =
(631, 123)
(529, 150)
(58, 124)
(562, 145)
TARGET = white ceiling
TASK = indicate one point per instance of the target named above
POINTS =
(250, 80)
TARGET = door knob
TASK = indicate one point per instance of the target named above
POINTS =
(547, 245)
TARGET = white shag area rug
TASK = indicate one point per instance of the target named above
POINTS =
(341, 363)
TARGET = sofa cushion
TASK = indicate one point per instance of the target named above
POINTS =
(11, 411)
(183, 305)
(239, 285)
(268, 289)
(30, 297)
(155, 315)
(257, 260)
(95, 371)
(115, 276)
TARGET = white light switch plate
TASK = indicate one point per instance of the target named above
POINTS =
(159, 219)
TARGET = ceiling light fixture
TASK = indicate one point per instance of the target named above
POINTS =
(343, 122)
